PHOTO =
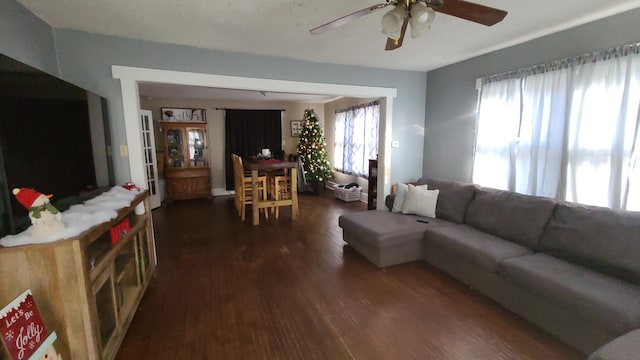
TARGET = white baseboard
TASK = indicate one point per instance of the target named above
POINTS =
(222, 192)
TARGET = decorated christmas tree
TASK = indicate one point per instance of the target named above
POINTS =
(312, 149)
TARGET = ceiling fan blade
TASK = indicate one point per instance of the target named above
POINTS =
(345, 19)
(394, 44)
(473, 12)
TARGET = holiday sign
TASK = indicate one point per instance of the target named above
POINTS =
(21, 327)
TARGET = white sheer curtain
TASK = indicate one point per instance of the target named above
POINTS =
(603, 118)
(571, 134)
(497, 134)
(356, 138)
(538, 161)
(631, 198)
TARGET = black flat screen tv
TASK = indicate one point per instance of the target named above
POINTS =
(54, 137)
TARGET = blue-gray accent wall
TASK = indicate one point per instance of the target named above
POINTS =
(26, 38)
(452, 96)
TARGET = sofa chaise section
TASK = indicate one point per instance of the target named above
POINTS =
(386, 238)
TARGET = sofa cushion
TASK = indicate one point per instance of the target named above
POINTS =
(509, 215)
(401, 196)
(382, 228)
(476, 247)
(609, 302)
(598, 238)
(453, 199)
(625, 347)
(420, 202)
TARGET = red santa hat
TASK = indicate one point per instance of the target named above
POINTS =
(26, 197)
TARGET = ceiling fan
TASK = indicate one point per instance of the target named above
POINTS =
(420, 15)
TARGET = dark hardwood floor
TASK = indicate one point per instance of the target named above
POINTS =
(293, 290)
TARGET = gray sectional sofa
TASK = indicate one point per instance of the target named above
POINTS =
(573, 270)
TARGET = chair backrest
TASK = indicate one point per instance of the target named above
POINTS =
(237, 173)
(242, 188)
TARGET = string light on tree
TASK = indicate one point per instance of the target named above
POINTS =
(312, 149)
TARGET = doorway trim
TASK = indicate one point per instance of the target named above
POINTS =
(130, 77)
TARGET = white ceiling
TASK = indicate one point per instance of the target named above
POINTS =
(281, 27)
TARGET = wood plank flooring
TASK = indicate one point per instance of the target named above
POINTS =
(294, 290)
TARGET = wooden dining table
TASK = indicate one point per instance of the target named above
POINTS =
(267, 166)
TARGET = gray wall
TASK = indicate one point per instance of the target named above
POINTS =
(452, 96)
(26, 38)
(86, 59)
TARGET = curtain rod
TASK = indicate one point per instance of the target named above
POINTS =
(567, 62)
(250, 109)
(359, 106)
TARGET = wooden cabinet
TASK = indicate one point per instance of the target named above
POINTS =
(186, 160)
(86, 288)
(372, 191)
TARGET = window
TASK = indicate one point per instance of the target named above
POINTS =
(356, 138)
(568, 130)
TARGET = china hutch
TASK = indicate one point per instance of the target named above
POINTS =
(186, 160)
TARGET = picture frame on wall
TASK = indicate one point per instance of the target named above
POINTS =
(183, 114)
(296, 127)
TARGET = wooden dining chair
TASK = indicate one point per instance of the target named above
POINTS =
(280, 189)
(243, 188)
(237, 183)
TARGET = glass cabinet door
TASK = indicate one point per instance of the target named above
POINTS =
(196, 147)
(175, 154)
(104, 292)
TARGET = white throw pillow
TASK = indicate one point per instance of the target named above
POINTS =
(401, 195)
(421, 202)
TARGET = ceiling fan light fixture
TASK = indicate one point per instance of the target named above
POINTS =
(419, 15)
(418, 29)
(421, 19)
(392, 22)
(419, 12)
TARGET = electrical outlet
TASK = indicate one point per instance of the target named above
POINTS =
(124, 150)
(395, 144)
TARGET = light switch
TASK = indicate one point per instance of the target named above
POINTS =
(395, 144)
(124, 150)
